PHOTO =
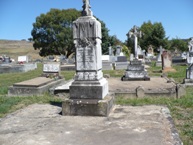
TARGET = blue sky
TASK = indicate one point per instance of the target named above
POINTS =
(176, 16)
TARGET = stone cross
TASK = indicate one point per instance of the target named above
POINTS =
(135, 32)
(190, 45)
(160, 49)
(86, 8)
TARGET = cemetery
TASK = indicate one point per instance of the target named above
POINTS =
(94, 98)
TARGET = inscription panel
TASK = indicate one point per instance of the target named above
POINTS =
(51, 67)
(86, 59)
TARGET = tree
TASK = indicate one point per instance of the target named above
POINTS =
(154, 35)
(126, 51)
(52, 32)
(114, 42)
(178, 44)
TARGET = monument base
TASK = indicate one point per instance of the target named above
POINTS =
(87, 107)
(135, 71)
(188, 82)
(89, 89)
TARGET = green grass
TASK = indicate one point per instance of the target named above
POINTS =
(9, 79)
(181, 109)
(10, 104)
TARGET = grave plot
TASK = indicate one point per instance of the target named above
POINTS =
(37, 86)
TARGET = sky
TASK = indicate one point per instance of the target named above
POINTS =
(176, 16)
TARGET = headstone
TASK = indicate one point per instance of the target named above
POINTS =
(150, 51)
(180, 91)
(110, 51)
(88, 92)
(167, 62)
(118, 50)
(190, 53)
(136, 70)
(135, 32)
(188, 81)
(166, 59)
(159, 57)
(7, 60)
(22, 59)
(140, 93)
(51, 69)
(189, 70)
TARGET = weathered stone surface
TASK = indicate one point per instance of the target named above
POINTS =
(166, 59)
(189, 72)
(36, 82)
(140, 93)
(15, 68)
(156, 87)
(181, 91)
(89, 82)
(87, 107)
(36, 86)
(43, 125)
(135, 71)
(89, 89)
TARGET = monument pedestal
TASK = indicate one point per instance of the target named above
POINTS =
(135, 71)
(89, 89)
(188, 81)
(87, 107)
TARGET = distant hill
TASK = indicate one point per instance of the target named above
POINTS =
(14, 48)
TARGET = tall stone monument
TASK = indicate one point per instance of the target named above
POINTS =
(190, 53)
(89, 90)
(135, 70)
(159, 57)
(188, 81)
(135, 33)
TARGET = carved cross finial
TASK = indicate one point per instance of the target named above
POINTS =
(86, 8)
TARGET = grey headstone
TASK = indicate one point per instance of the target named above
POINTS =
(140, 93)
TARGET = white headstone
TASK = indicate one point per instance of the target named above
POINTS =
(22, 59)
(51, 67)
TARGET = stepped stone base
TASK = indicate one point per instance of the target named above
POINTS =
(87, 107)
(135, 71)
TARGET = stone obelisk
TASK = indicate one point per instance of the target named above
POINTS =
(89, 88)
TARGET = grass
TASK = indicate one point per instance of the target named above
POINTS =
(11, 104)
(181, 109)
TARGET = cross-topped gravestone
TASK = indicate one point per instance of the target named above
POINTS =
(159, 56)
(89, 86)
(190, 45)
(136, 70)
(135, 32)
(190, 53)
